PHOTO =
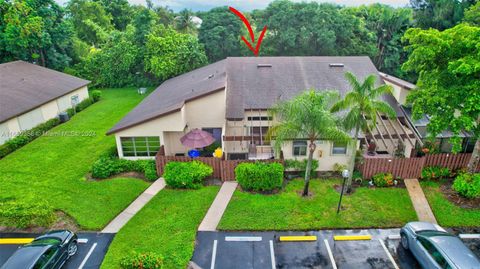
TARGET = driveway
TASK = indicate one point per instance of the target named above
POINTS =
(265, 250)
(92, 248)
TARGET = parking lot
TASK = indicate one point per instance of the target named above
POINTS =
(91, 249)
(265, 250)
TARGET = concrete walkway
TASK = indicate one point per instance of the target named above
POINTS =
(119, 221)
(217, 208)
(419, 201)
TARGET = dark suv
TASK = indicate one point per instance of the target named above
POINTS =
(49, 251)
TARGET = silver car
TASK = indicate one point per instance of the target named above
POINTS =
(435, 248)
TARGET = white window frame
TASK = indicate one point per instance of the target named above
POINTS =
(298, 146)
(134, 139)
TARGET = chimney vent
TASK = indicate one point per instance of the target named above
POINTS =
(263, 65)
(336, 65)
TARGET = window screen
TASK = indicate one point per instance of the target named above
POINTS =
(140, 146)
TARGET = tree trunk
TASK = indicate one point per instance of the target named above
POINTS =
(309, 167)
(351, 165)
(475, 159)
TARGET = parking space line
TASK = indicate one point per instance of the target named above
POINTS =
(214, 254)
(394, 236)
(351, 237)
(388, 253)
(469, 236)
(272, 255)
(330, 254)
(243, 238)
(87, 256)
(15, 241)
(82, 240)
(298, 238)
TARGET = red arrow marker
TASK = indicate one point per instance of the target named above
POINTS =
(250, 31)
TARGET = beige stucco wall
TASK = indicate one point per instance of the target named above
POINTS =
(399, 93)
(205, 112)
(64, 102)
(37, 115)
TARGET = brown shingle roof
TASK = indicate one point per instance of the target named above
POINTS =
(25, 86)
(252, 83)
(173, 93)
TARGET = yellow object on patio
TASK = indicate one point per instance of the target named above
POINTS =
(351, 237)
(298, 238)
(15, 241)
(218, 153)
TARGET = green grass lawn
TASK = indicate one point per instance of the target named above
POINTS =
(381, 207)
(52, 168)
(447, 213)
(167, 226)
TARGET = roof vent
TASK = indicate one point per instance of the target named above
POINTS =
(211, 76)
(263, 65)
(336, 65)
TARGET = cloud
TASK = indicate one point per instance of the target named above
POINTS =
(247, 5)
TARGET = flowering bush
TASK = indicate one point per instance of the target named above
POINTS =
(383, 180)
(467, 185)
(435, 172)
(142, 261)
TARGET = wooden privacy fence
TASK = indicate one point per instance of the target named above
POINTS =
(412, 167)
(222, 169)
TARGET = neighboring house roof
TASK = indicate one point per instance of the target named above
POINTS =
(25, 86)
(397, 81)
(252, 83)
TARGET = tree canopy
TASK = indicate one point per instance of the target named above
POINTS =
(448, 64)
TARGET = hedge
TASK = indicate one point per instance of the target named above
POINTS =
(109, 165)
(28, 136)
(259, 176)
(435, 172)
(186, 175)
(467, 185)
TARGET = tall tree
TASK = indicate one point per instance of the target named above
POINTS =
(92, 23)
(35, 31)
(448, 64)
(438, 14)
(363, 106)
(121, 12)
(472, 15)
(169, 53)
(306, 116)
(220, 33)
(313, 29)
(388, 24)
(184, 22)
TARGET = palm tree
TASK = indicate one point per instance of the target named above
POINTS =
(362, 103)
(306, 116)
(184, 22)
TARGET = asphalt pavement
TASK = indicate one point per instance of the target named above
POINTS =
(91, 250)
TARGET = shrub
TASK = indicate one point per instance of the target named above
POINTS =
(150, 171)
(383, 179)
(96, 95)
(467, 185)
(26, 213)
(435, 172)
(26, 137)
(259, 176)
(186, 175)
(142, 261)
(109, 165)
(337, 167)
(301, 166)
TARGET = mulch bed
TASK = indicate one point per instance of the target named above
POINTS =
(136, 175)
(458, 200)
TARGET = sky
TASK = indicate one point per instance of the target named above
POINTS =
(247, 5)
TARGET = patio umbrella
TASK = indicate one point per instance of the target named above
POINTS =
(197, 138)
